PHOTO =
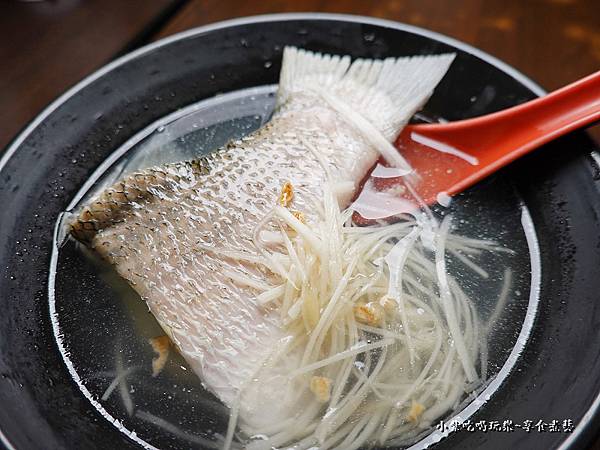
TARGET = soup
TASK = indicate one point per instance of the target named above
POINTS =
(105, 330)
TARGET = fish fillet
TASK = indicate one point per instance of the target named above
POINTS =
(171, 231)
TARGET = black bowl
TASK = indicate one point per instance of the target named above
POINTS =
(555, 376)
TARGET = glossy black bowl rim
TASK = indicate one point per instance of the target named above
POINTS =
(592, 414)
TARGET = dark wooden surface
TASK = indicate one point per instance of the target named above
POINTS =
(47, 46)
(553, 41)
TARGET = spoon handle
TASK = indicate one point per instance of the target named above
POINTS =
(490, 142)
(508, 134)
(546, 118)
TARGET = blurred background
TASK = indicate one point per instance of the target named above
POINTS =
(47, 46)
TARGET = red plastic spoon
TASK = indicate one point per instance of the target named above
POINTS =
(451, 157)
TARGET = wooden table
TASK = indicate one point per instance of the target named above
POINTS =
(47, 46)
(554, 42)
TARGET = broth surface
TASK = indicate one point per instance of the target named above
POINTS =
(103, 328)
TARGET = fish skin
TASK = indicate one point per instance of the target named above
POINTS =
(153, 226)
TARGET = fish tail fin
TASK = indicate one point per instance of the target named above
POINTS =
(378, 97)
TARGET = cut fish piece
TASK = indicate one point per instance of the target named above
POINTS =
(172, 231)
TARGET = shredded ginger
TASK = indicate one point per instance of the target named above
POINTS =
(389, 341)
